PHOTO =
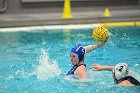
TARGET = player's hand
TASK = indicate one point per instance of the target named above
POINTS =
(98, 67)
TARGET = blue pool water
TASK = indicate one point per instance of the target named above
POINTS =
(37, 61)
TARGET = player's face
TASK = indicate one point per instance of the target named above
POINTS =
(74, 58)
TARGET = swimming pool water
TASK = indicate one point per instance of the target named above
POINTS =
(37, 61)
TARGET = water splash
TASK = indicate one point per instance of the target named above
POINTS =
(47, 68)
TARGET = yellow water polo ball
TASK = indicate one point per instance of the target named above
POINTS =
(100, 34)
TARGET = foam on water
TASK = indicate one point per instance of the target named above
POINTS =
(47, 68)
(74, 78)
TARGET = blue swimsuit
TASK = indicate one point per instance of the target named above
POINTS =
(71, 72)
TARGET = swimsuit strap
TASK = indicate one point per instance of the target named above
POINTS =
(131, 79)
(71, 72)
(82, 64)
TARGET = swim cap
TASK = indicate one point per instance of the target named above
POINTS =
(80, 51)
(120, 71)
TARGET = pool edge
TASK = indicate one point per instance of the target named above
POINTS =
(77, 26)
(110, 24)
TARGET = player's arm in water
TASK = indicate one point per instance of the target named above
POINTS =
(99, 67)
(93, 47)
(120, 74)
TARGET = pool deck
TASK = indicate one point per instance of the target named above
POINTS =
(88, 15)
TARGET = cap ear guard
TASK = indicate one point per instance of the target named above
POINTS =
(113, 72)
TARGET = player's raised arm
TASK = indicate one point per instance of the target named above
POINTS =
(100, 34)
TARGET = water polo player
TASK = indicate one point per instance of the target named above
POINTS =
(77, 56)
(120, 74)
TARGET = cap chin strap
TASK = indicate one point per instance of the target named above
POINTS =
(115, 79)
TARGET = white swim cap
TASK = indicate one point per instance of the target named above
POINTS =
(120, 71)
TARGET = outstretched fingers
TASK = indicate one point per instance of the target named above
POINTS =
(95, 66)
